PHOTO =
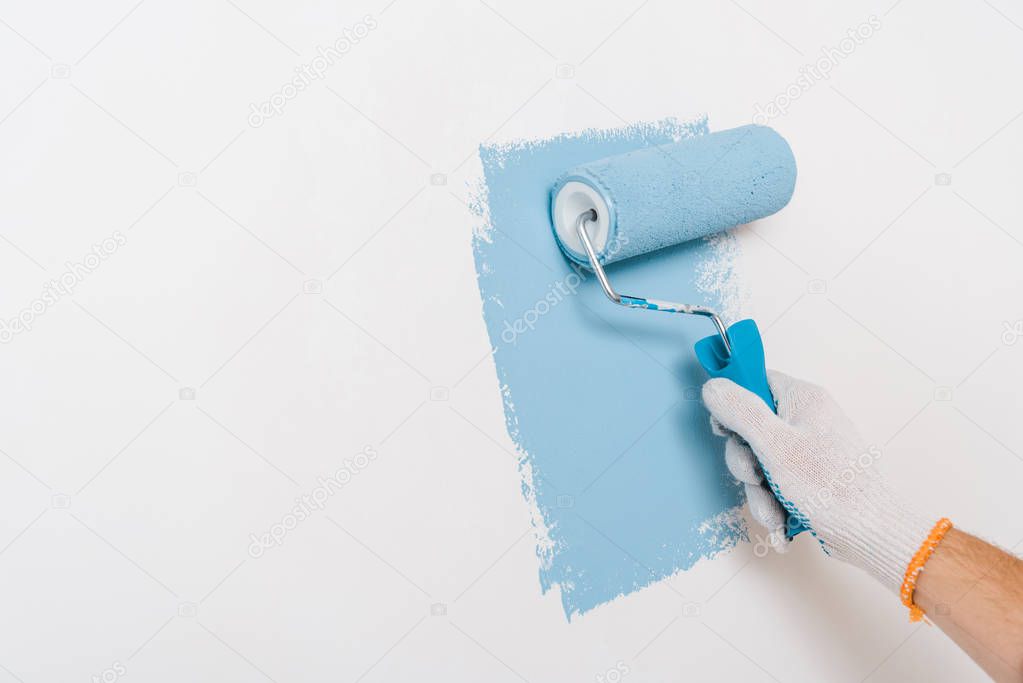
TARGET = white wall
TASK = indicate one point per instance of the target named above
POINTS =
(289, 294)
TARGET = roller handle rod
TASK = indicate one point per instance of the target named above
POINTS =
(636, 301)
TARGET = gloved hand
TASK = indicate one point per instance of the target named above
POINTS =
(819, 463)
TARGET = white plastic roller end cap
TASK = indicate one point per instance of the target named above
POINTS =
(573, 199)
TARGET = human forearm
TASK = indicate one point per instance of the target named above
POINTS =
(810, 455)
(974, 592)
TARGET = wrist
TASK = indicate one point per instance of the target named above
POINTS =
(947, 575)
(916, 565)
(882, 539)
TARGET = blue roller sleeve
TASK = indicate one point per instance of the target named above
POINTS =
(669, 194)
(745, 367)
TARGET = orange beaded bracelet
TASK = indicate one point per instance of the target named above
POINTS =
(917, 563)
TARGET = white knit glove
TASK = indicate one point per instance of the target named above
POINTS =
(819, 463)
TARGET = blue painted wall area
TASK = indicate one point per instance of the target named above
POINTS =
(602, 402)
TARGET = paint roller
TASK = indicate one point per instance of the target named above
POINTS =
(631, 204)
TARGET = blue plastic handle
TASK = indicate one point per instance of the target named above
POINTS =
(745, 366)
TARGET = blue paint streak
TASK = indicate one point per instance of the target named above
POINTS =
(602, 401)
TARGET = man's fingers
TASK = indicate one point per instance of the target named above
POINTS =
(779, 541)
(795, 398)
(743, 412)
(765, 508)
(768, 513)
(756, 438)
(741, 462)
